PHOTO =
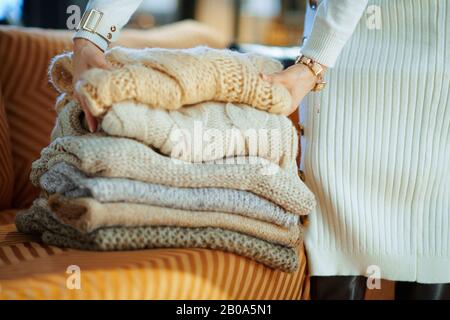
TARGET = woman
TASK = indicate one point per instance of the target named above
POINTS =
(378, 148)
(377, 139)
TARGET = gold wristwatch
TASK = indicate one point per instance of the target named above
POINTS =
(316, 68)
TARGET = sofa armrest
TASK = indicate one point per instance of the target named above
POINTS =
(6, 168)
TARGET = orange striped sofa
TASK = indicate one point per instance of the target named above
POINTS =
(32, 270)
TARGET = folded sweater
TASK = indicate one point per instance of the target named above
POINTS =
(39, 220)
(87, 215)
(206, 131)
(70, 182)
(171, 79)
(70, 121)
(125, 158)
(200, 133)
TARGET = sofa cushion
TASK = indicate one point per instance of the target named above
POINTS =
(6, 169)
(29, 98)
(32, 270)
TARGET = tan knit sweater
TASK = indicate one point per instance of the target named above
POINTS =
(70, 121)
(88, 214)
(170, 79)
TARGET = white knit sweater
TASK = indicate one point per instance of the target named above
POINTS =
(334, 23)
(378, 149)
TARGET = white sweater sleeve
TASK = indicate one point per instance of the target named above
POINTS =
(116, 14)
(334, 23)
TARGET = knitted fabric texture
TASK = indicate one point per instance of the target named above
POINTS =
(40, 220)
(207, 131)
(70, 121)
(171, 79)
(87, 214)
(204, 132)
(70, 182)
(125, 158)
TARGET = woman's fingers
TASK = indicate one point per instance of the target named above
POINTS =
(99, 61)
(86, 56)
(274, 78)
(266, 77)
(297, 79)
(91, 121)
(289, 83)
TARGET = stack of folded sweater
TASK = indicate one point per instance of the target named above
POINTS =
(146, 179)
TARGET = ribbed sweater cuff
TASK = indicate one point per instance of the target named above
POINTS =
(323, 45)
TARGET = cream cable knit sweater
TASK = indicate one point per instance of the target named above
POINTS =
(204, 132)
(171, 79)
(87, 215)
(121, 157)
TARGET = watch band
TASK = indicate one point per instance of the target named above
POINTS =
(92, 37)
(90, 28)
(315, 68)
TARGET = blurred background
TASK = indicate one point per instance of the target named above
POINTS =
(266, 22)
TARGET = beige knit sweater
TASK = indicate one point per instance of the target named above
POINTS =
(88, 214)
(102, 156)
(171, 79)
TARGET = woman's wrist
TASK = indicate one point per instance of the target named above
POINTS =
(316, 70)
(304, 76)
(298, 80)
(80, 43)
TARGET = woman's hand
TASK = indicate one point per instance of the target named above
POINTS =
(298, 79)
(86, 55)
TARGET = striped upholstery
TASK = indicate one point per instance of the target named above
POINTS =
(30, 270)
(6, 171)
(29, 98)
